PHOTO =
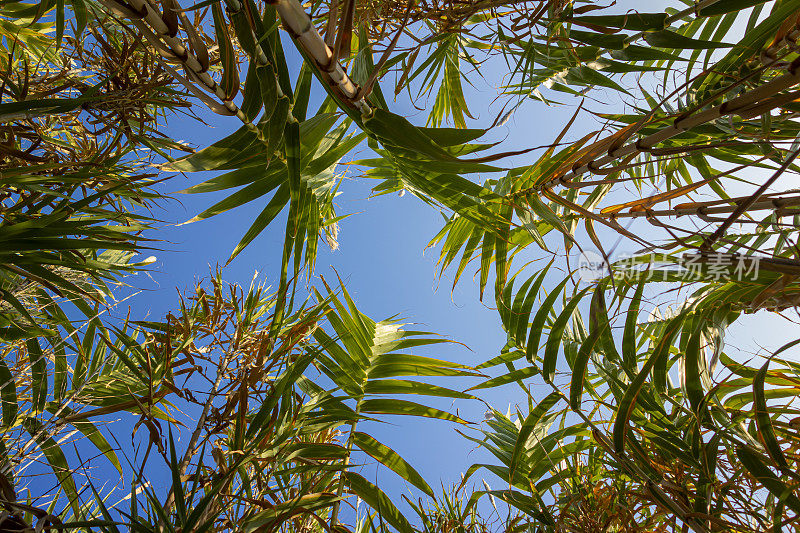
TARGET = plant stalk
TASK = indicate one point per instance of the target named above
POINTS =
(340, 487)
(739, 105)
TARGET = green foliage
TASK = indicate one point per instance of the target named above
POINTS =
(628, 422)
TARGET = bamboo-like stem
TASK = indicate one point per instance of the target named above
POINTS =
(782, 265)
(741, 104)
(260, 56)
(746, 108)
(748, 203)
(770, 54)
(299, 25)
(160, 36)
(295, 21)
(340, 485)
(234, 6)
(700, 209)
(175, 44)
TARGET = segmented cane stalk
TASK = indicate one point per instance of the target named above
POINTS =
(160, 37)
(299, 25)
(759, 100)
(295, 21)
(234, 6)
(770, 54)
(746, 106)
(710, 208)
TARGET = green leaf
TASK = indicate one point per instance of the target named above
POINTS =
(8, 392)
(230, 67)
(511, 377)
(555, 337)
(55, 457)
(520, 316)
(81, 16)
(539, 320)
(391, 459)
(628, 402)
(403, 407)
(38, 375)
(629, 333)
(217, 156)
(267, 215)
(630, 21)
(452, 136)
(544, 212)
(598, 327)
(403, 386)
(728, 6)
(93, 434)
(694, 386)
(377, 499)
(766, 432)
(528, 427)
(400, 132)
(269, 91)
(415, 365)
(27, 109)
(754, 464)
(670, 39)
